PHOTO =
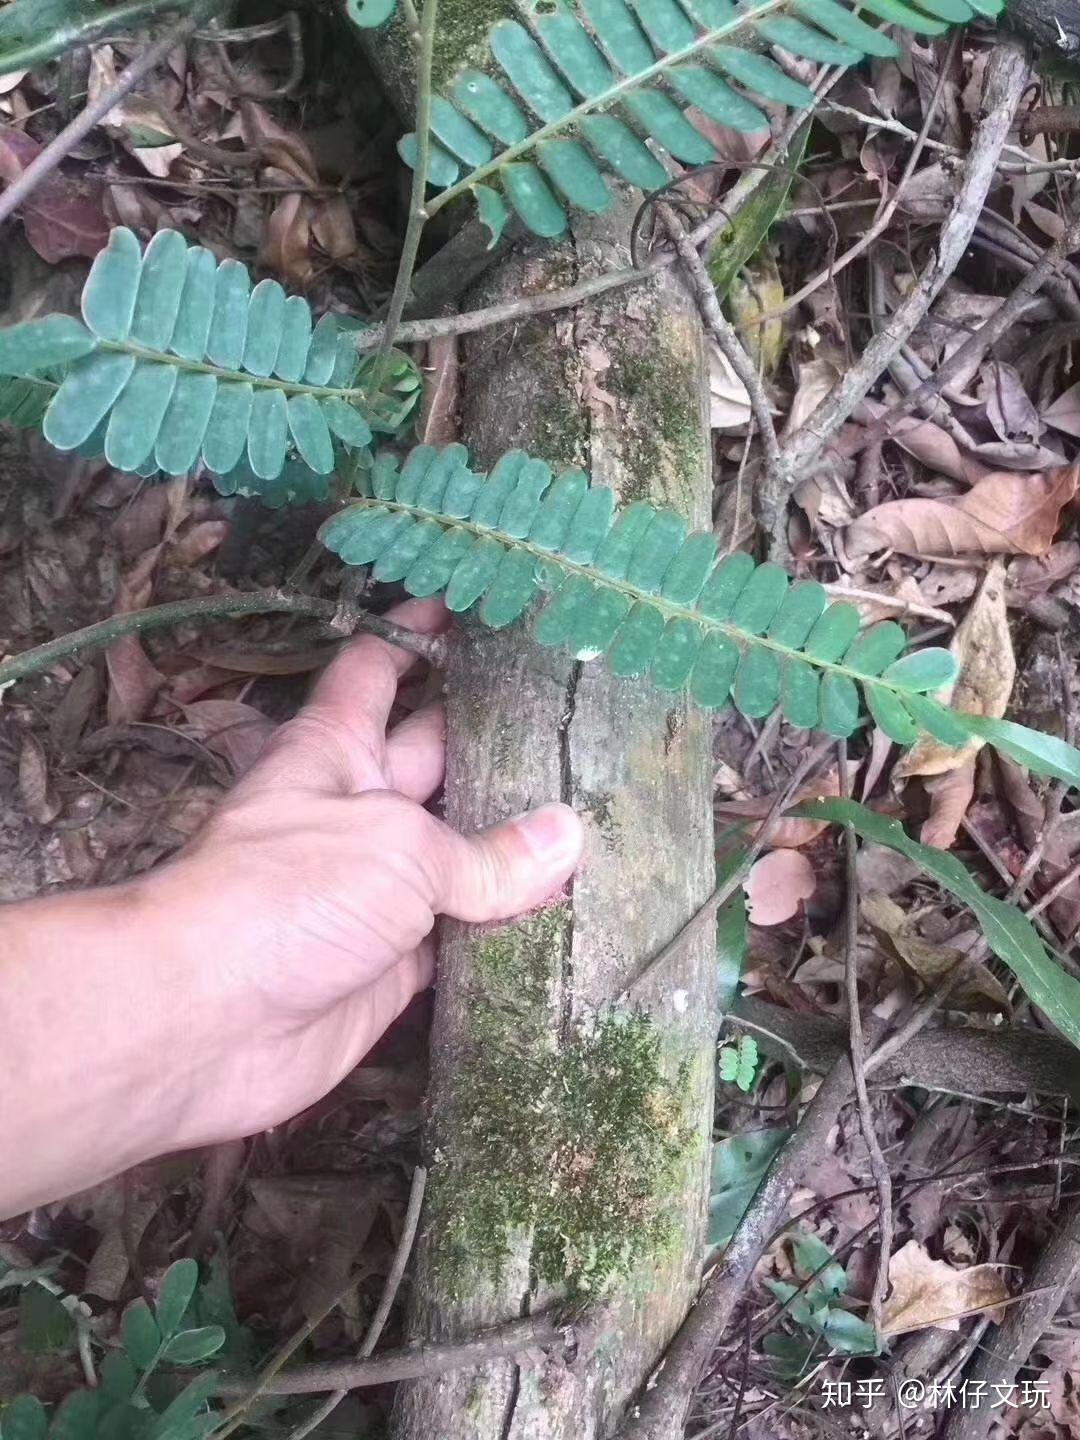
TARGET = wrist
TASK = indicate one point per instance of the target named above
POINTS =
(97, 1006)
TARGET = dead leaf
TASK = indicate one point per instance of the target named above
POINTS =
(729, 402)
(1064, 413)
(926, 441)
(35, 785)
(133, 680)
(1002, 514)
(64, 216)
(438, 423)
(775, 886)
(236, 731)
(987, 668)
(950, 795)
(816, 379)
(1035, 575)
(1008, 406)
(927, 1292)
(787, 834)
(929, 963)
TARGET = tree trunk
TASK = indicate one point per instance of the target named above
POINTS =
(569, 1134)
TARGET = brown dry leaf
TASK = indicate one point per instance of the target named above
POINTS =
(35, 785)
(927, 1292)
(729, 405)
(986, 671)
(133, 680)
(287, 246)
(1002, 514)
(950, 795)
(438, 423)
(198, 541)
(816, 379)
(924, 440)
(1064, 413)
(1035, 575)
(236, 731)
(775, 886)
(1008, 406)
(928, 963)
(790, 833)
(64, 216)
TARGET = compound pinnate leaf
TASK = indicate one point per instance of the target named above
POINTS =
(181, 360)
(633, 586)
(369, 13)
(588, 69)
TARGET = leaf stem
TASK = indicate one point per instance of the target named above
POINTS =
(418, 213)
(211, 607)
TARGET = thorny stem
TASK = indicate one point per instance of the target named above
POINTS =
(878, 1166)
(210, 607)
(418, 215)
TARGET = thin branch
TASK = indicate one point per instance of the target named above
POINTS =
(411, 1361)
(878, 1167)
(706, 912)
(727, 339)
(44, 163)
(386, 1300)
(78, 643)
(425, 41)
(1006, 79)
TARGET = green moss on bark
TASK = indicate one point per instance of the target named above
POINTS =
(581, 1143)
(664, 434)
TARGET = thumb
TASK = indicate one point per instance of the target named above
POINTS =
(507, 869)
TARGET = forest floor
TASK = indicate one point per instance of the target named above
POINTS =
(966, 527)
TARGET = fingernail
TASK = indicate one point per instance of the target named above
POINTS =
(553, 833)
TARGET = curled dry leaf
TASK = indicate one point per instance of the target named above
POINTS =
(729, 404)
(985, 674)
(950, 795)
(1008, 406)
(930, 964)
(1064, 413)
(790, 833)
(776, 885)
(925, 1292)
(35, 785)
(1002, 514)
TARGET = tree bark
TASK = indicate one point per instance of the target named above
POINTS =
(618, 388)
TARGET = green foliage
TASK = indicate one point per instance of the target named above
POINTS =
(636, 587)
(813, 1307)
(181, 360)
(736, 243)
(133, 1399)
(34, 31)
(738, 1063)
(1008, 931)
(604, 76)
(367, 14)
(739, 1164)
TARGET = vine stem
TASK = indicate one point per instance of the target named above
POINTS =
(213, 607)
(418, 215)
(58, 148)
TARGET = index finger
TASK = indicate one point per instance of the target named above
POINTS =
(337, 742)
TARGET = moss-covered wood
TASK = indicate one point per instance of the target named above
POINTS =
(569, 1134)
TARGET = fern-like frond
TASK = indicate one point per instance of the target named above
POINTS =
(640, 588)
(182, 360)
(636, 587)
(584, 84)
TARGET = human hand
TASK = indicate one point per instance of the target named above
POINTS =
(314, 889)
(225, 991)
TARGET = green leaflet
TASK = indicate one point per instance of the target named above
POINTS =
(635, 587)
(1009, 933)
(598, 75)
(181, 361)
